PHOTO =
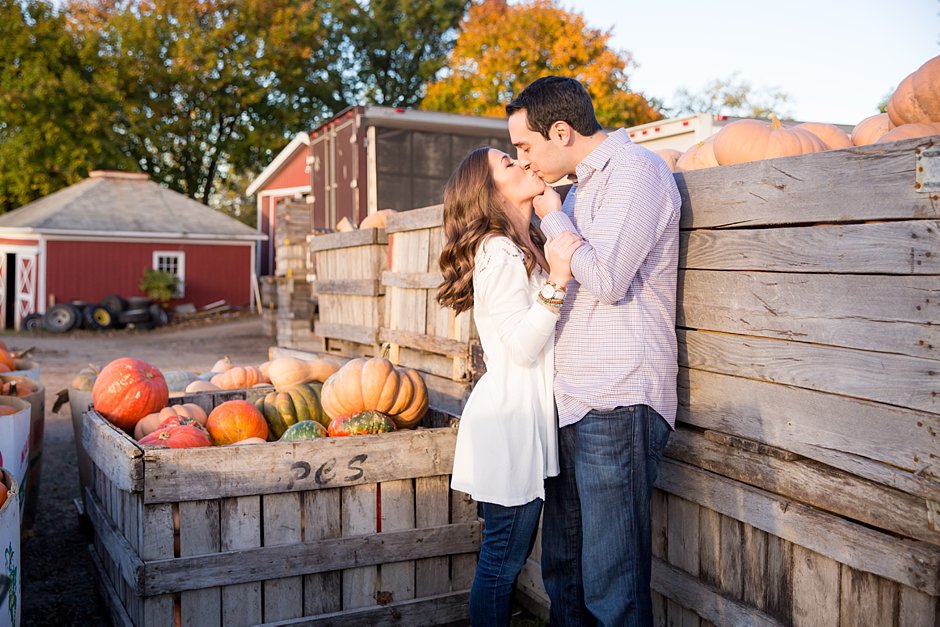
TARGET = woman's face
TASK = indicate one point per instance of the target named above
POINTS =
(517, 185)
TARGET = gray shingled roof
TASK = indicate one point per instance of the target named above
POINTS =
(118, 204)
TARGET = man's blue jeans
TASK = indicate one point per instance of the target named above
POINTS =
(596, 538)
(508, 537)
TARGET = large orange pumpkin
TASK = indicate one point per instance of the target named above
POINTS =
(831, 135)
(917, 97)
(128, 389)
(870, 130)
(753, 140)
(909, 131)
(698, 157)
(234, 421)
(376, 384)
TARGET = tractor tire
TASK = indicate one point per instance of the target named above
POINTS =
(97, 317)
(62, 318)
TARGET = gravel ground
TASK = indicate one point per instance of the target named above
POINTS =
(58, 588)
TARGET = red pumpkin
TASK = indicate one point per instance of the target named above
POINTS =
(179, 436)
(128, 389)
(234, 421)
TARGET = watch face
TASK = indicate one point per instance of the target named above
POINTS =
(547, 292)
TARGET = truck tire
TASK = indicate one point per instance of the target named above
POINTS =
(139, 302)
(134, 316)
(61, 318)
(114, 303)
(32, 322)
(159, 315)
(97, 317)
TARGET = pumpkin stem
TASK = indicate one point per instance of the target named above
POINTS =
(386, 349)
(774, 122)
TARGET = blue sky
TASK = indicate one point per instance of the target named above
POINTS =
(835, 59)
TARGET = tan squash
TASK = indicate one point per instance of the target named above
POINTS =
(222, 365)
(870, 130)
(698, 157)
(755, 140)
(238, 377)
(670, 156)
(917, 98)
(287, 372)
(831, 135)
(377, 220)
(201, 386)
(909, 131)
(151, 422)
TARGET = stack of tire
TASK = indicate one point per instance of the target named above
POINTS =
(113, 312)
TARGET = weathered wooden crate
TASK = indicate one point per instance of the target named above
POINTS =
(803, 482)
(349, 290)
(341, 531)
(422, 334)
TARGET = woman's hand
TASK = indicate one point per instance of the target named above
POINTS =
(547, 202)
(558, 252)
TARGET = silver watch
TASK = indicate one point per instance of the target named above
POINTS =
(550, 292)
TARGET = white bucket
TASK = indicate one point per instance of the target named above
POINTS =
(25, 368)
(10, 603)
(14, 439)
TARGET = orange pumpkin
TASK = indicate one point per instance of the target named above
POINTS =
(287, 372)
(698, 157)
(238, 377)
(917, 97)
(234, 421)
(128, 389)
(17, 385)
(670, 156)
(831, 135)
(4, 493)
(754, 140)
(870, 130)
(377, 220)
(6, 410)
(376, 384)
(909, 131)
(6, 359)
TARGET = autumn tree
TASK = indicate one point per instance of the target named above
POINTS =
(502, 48)
(392, 48)
(732, 96)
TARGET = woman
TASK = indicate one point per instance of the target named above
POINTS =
(493, 261)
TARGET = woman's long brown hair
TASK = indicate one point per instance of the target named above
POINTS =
(473, 210)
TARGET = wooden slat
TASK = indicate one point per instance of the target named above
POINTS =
(398, 514)
(906, 247)
(915, 564)
(283, 596)
(241, 532)
(444, 609)
(200, 534)
(357, 287)
(350, 332)
(689, 591)
(156, 543)
(119, 616)
(709, 546)
(894, 379)
(322, 521)
(809, 482)
(862, 183)
(423, 342)
(892, 446)
(412, 280)
(815, 589)
(432, 504)
(115, 454)
(866, 599)
(918, 609)
(892, 314)
(174, 475)
(682, 548)
(463, 509)
(117, 547)
(359, 237)
(358, 507)
(427, 217)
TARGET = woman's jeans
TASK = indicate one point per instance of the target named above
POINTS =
(508, 537)
(596, 538)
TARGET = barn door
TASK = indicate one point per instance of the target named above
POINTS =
(25, 286)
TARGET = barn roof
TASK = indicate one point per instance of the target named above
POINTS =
(124, 205)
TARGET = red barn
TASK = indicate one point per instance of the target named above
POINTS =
(96, 238)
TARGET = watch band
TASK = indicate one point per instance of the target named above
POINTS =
(558, 288)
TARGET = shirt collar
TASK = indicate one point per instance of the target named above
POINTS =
(601, 155)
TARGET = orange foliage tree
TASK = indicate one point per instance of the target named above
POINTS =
(503, 48)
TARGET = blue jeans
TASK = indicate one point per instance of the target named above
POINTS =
(596, 538)
(508, 537)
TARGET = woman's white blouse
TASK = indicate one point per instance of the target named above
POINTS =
(507, 442)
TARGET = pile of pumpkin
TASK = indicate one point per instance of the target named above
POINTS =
(310, 400)
(913, 111)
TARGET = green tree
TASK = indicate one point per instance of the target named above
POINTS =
(56, 124)
(732, 96)
(502, 48)
(392, 48)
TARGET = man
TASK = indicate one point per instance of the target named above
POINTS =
(615, 351)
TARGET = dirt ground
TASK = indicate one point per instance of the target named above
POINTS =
(58, 588)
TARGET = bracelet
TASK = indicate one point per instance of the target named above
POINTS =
(558, 288)
(553, 303)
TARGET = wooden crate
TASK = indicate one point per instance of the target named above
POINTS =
(422, 334)
(293, 222)
(341, 531)
(349, 290)
(802, 486)
(290, 261)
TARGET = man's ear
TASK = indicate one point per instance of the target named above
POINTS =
(561, 133)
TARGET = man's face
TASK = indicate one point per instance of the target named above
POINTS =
(543, 156)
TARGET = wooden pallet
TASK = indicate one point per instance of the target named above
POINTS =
(359, 530)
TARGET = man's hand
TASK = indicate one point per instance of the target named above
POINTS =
(547, 202)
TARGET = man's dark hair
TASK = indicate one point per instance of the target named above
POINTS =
(554, 98)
